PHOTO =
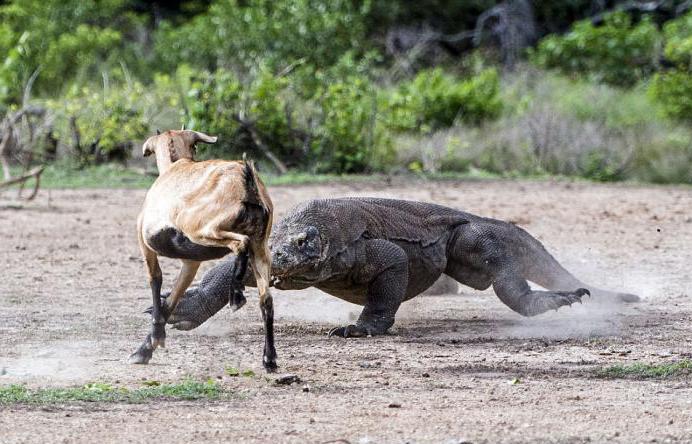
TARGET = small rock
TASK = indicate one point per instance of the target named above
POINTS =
(426, 375)
(394, 405)
(306, 388)
(287, 379)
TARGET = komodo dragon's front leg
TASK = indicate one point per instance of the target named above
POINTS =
(385, 270)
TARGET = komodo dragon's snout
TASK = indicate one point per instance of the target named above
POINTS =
(295, 249)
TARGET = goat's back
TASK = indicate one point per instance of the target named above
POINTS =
(190, 195)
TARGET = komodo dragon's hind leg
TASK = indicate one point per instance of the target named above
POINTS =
(386, 271)
(498, 255)
(515, 292)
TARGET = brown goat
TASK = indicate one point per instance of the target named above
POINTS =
(197, 211)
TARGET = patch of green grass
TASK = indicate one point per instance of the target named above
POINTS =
(642, 371)
(102, 392)
(232, 371)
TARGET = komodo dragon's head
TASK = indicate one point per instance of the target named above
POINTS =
(296, 250)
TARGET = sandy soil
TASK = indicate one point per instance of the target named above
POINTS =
(73, 288)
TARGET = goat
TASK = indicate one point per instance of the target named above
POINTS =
(198, 211)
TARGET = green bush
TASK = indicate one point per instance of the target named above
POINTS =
(618, 51)
(62, 40)
(673, 88)
(240, 35)
(248, 118)
(350, 138)
(435, 100)
(334, 130)
(107, 122)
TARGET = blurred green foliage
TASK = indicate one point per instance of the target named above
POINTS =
(65, 41)
(434, 100)
(618, 51)
(673, 87)
(312, 84)
(241, 35)
(101, 125)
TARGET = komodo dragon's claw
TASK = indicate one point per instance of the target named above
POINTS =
(349, 331)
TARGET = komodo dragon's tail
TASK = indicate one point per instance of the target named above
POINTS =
(542, 268)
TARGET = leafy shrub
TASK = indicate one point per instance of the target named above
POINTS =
(251, 118)
(335, 130)
(678, 35)
(434, 100)
(106, 122)
(558, 127)
(61, 40)
(673, 88)
(240, 35)
(349, 137)
(618, 51)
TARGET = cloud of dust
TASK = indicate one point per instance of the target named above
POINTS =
(590, 319)
(314, 306)
(64, 360)
(593, 317)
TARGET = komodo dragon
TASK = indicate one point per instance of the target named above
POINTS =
(381, 252)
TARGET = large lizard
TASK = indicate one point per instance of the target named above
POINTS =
(380, 252)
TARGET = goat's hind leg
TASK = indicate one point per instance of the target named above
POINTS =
(261, 267)
(157, 336)
(236, 298)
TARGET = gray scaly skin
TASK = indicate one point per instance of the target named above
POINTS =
(381, 252)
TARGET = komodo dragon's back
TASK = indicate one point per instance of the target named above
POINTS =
(348, 219)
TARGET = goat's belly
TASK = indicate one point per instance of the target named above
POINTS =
(170, 242)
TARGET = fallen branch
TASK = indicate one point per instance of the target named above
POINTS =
(257, 140)
(33, 174)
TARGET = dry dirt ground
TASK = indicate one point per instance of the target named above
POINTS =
(73, 289)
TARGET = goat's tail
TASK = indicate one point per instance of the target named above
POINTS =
(256, 193)
(253, 194)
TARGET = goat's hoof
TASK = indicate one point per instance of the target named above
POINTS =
(237, 301)
(269, 364)
(158, 342)
(158, 335)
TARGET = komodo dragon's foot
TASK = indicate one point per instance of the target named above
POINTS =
(350, 331)
(539, 301)
(144, 352)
